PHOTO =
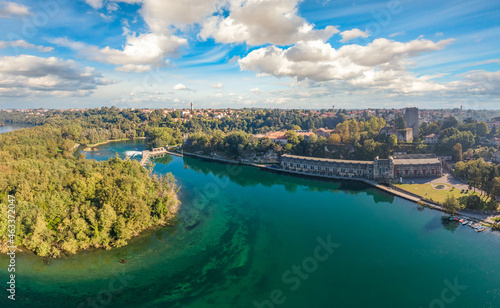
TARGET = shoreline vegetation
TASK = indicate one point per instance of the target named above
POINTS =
(65, 204)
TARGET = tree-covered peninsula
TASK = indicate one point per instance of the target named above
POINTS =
(64, 204)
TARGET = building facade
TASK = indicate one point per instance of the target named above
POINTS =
(327, 167)
(432, 138)
(417, 167)
(379, 169)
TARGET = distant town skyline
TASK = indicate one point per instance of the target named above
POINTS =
(285, 54)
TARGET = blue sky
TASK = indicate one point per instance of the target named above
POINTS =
(249, 53)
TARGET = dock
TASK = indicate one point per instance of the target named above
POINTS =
(156, 152)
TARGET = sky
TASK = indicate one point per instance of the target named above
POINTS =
(310, 54)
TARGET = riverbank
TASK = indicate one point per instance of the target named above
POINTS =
(91, 147)
(485, 219)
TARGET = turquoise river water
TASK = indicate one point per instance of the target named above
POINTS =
(251, 238)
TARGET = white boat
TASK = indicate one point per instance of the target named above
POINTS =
(480, 229)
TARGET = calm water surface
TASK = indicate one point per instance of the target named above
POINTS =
(13, 126)
(246, 237)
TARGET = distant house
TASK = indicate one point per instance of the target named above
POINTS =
(432, 138)
(304, 133)
(496, 157)
(323, 132)
(219, 115)
(493, 123)
(276, 137)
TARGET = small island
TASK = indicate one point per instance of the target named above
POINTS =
(66, 204)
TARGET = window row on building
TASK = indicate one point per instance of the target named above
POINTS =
(377, 169)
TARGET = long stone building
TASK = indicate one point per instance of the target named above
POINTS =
(378, 169)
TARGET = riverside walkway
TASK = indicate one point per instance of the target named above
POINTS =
(156, 152)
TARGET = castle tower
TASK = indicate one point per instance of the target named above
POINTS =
(411, 119)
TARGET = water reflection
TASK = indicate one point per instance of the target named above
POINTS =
(292, 183)
(449, 225)
(8, 127)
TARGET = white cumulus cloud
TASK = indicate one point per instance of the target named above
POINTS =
(161, 14)
(27, 75)
(23, 44)
(96, 4)
(181, 87)
(352, 34)
(12, 9)
(139, 54)
(380, 64)
(258, 22)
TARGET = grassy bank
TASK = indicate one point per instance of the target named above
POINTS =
(433, 193)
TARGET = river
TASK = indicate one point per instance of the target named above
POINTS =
(250, 238)
(8, 127)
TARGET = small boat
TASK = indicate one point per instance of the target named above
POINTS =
(456, 218)
(464, 222)
(474, 226)
(470, 223)
(452, 217)
(480, 229)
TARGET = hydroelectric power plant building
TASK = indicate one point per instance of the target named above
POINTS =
(405, 166)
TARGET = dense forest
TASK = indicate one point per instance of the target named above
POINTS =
(232, 145)
(64, 204)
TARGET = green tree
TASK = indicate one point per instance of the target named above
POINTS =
(291, 137)
(471, 202)
(451, 205)
(493, 131)
(456, 152)
(400, 123)
(450, 121)
(494, 190)
(393, 141)
(334, 139)
(481, 129)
